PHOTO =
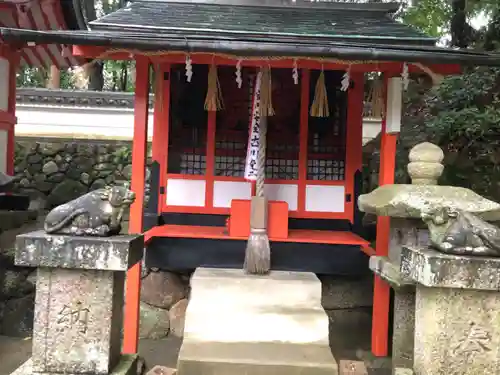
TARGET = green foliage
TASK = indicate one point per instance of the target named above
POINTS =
(122, 155)
(463, 117)
(31, 77)
(429, 16)
(67, 81)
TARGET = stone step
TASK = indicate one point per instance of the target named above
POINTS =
(258, 325)
(292, 289)
(197, 358)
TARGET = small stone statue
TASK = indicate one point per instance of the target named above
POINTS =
(461, 233)
(97, 213)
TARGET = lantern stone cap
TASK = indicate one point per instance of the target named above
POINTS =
(424, 195)
(410, 201)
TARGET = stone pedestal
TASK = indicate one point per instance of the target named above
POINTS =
(404, 311)
(404, 232)
(79, 302)
(238, 323)
(457, 317)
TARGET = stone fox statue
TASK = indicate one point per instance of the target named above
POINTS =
(97, 213)
(462, 233)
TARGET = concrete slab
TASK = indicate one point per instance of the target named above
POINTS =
(256, 324)
(126, 366)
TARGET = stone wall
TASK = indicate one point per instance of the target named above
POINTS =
(164, 298)
(17, 284)
(55, 171)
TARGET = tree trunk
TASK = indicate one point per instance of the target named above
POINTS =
(96, 77)
(124, 76)
(460, 29)
(492, 37)
(54, 79)
(94, 71)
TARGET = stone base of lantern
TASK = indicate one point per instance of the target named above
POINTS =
(404, 311)
(127, 365)
(457, 315)
(79, 302)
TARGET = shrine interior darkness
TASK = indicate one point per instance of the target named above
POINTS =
(188, 126)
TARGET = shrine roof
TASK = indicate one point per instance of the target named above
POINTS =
(43, 15)
(301, 29)
(270, 20)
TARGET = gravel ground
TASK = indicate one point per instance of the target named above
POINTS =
(345, 344)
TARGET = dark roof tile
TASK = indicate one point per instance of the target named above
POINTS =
(278, 23)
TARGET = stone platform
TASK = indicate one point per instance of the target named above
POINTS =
(272, 324)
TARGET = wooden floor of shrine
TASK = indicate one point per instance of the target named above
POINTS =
(294, 235)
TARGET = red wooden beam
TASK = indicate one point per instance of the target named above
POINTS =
(303, 138)
(210, 158)
(45, 8)
(354, 137)
(381, 292)
(8, 116)
(139, 153)
(208, 58)
(7, 119)
(13, 64)
(11, 21)
(161, 126)
(26, 21)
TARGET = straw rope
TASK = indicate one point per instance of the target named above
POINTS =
(376, 98)
(319, 107)
(213, 100)
(230, 56)
(323, 60)
(266, 87)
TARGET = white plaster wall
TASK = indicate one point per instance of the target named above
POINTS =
(371, 128)
(3, 151)
(77, 122)
(226, 191)
(189, 193)
(101, 123)
(4, 84)
(322, 198)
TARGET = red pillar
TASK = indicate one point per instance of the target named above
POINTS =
(8, 113)
(14, 62)
(161, 125)
(354, 151)
(139, 154)
(381, 292)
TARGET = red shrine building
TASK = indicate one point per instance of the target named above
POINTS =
(211, 63)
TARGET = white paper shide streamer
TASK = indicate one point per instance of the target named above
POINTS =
(189, 68)
(239, 80)
(295, 73)
(346, 80)
(251, 165)
(405, 75)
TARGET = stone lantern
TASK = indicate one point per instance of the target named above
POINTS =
(440, 299)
